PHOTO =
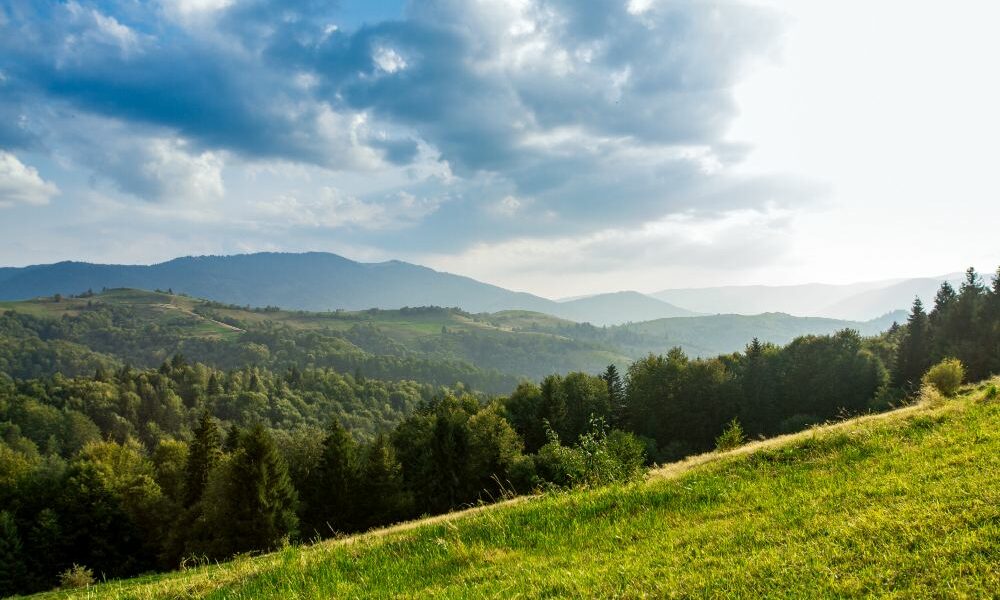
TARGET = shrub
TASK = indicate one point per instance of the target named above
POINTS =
(598, 458)
(732, 437)
(946, 376)
(77, 576)
(629, 454)
(991, 392)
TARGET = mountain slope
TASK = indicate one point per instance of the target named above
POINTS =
(317, 281)
(310, 281)
(885, 505)
(617, 307)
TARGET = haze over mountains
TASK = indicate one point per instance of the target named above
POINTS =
(322, 281)
(856, 301)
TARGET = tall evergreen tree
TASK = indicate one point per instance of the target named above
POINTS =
(13, 572)
(616, 397)
(205, 450)
(330, 491)
(991, 326)
(969, 335)
(260, 500)
(756, 385)
(386, 500)
(942, 320)
(914, 354)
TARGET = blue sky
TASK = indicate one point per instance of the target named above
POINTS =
(549, 145)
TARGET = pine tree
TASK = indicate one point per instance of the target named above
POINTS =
(331, 489)
(385, 499)
(991, 325)
(261, 501)
(942, 320)
(205, 450)
(214, 387)
(969, 335)
(755, 388)
(616, 397)
(914, 354)
(233, 438)
(12, 568)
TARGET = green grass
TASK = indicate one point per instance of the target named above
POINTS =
(900, 505)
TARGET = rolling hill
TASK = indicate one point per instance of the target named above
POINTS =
(512, 344)
(317, 281)
(885, 505)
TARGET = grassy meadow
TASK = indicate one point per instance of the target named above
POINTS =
(902, 505)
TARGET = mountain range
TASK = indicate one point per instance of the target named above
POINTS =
(319, 281)
(856, 301)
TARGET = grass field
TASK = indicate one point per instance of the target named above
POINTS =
(901, 505)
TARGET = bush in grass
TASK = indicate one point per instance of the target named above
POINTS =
(599, 457)
(732, 437)
(946, 376)
(991, 392)
(77, 576)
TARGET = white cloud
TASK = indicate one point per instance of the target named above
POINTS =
(100, 29)
(388, 60)
(21, 183)
(178, 175)
(191, 12)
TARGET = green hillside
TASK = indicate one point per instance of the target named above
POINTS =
(903, 504)
(505, 345)
(488, 352)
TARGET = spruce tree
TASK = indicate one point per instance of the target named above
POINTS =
(205, 450)
(261, 501)
(616, 397)
(13, 572)
(969, 334)
(214, 386)
(914, 354)
(942, 320)
(991, 325)
(385, 499)
(330, 492)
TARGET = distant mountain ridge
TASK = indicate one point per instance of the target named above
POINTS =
(319, 281)
(857, 301)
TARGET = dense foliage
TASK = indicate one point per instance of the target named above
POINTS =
(125, 470)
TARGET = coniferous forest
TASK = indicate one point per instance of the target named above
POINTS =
(218, 450)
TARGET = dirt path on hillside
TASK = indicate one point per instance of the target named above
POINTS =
(197, 316)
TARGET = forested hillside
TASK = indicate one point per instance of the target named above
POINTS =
(441, 346)
(125, 469)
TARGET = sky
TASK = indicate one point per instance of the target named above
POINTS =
(552, 146)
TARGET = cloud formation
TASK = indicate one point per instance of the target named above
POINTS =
(454, 125)
(21, 184)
